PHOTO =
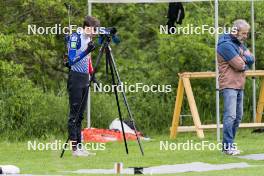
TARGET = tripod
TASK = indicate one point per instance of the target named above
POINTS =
(114, 75)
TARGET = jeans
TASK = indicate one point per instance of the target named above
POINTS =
(78, 93)
(233, 112)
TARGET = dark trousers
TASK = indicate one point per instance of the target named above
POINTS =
(78, 93)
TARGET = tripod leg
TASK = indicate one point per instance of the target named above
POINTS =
(63, 150)
(117, 101)
(106, 67)
(98, 60)
(112, 62)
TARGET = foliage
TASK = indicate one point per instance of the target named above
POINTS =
(26, 110)
(144, 55)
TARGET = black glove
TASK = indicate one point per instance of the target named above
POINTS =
(91, 47)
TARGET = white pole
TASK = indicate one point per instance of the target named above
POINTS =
(89, 107)
(253, 52)
(89, 92)
(89, 8)
(216, 75)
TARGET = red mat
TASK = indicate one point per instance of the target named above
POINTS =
(105, 135)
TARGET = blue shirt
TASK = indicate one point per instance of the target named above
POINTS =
(79, 59)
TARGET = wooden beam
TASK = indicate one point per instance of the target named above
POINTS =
(199, 75)
(260, 103)
(213, 126)
(177, 109)
(193, 107)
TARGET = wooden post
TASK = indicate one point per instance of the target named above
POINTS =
(177, 109)
(260, 103)
(193, 107)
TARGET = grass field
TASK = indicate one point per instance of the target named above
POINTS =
(49, 163)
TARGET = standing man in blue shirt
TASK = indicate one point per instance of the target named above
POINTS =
(233, 60)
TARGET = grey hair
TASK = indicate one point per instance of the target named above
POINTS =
(241, 24)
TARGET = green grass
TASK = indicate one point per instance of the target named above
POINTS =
(48, 162)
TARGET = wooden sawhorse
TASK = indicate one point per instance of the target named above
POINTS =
(185, 85)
